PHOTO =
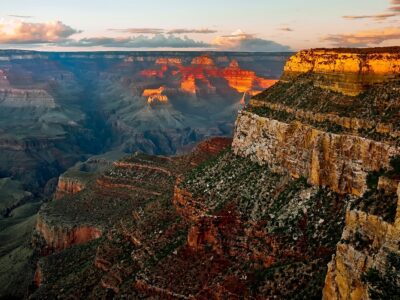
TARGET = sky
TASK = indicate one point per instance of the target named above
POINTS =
(228, 25)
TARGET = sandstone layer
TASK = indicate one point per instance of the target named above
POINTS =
(349, 72)
(341, 162)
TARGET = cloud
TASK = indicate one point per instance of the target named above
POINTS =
(288, 29)
(394, 11)
(141, 41)
(377, 17)
(395, 5)
(139, 30)
(19, 32)
(241, 41)
(364, 38)
(160, 31)
(186, 31)
(20, 17)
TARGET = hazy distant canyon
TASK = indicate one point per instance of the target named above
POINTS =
(60, 108)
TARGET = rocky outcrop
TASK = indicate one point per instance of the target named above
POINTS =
(367, 241)
(58, 237)
(155, 96)
(169, 61)
(68, 186)
(188, 85)
(19, 98)
(341, 162)
(245, 81)
(348, 71)
(203, 60)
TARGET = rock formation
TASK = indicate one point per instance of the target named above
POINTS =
(349, 72)
(155, 96)
(188, 85)
(26, 98)
(68, 186)
(203, 60)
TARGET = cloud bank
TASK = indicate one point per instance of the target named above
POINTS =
(395, 5)
(241, 41)
(16, 32)
(141, 41)
(161, 31)
(139, 30)
(186, 31)
(19, 32)
(394, 10)
(364, 38)
(378, 17)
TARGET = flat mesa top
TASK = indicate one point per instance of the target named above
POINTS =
(376, 50)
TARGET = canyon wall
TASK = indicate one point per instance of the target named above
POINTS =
(366, 245)
(349, 72)
(68, 186)
(59, 236)
(331, 147)
(341, 162)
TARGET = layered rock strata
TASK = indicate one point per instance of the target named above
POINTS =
(341, 162)
(346, 71)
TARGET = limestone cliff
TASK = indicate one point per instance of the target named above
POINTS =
(348, 71)
(68, 186)
(339, 161)
(58, 237)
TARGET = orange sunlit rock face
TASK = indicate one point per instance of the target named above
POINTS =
(245, 81)
(68, 186)
(188, 85)
(156, 72)
(346, 72)
(169, 61)
(199, 75)
(155, 95)
(162, 99)
(203, 60)
(152, 92)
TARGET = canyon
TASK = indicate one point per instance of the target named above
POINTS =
(302, 203)
(66, 117)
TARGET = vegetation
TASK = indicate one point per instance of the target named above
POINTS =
(302, 219)
(377, 105)
(386, 284)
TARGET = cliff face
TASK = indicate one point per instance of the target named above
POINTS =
(57, 238)
(310, 125)
(341, 162)
(68, 186)
(362, 264)
(348, 72)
